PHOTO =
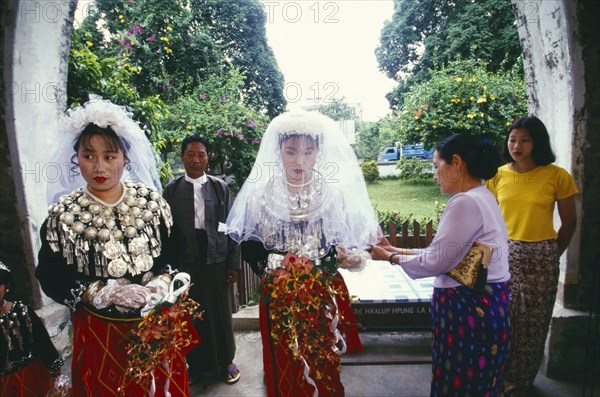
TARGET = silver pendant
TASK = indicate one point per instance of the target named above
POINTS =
(137, 246)
(143, 262)
(113, 249)
(117, 268)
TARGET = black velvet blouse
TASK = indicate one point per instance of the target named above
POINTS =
(24, 338)
(256, 255)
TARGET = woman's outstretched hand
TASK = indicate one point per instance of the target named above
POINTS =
(380, 253)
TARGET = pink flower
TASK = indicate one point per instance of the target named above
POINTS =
(137, 29)
(227, 133)
(251, 123)
(219, 132)
(482, 362)
(280, 276)
(223, 100)
(240, 137)
(256, 141)
(201, 97)
(471, 321)
(151, 38)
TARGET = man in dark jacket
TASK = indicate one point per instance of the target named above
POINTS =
(200, 204)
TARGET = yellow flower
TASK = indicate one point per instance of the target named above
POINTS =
(132, 42)
(189, 127)
(168, 50)
(479, 311)
(89, 43)
(417, 128)
(459, 79)
(482, 99)
(472, 98)
(493, 97)
(435, 121)
(471, 115)
(480, 114)
(169, 28)
(507, 123)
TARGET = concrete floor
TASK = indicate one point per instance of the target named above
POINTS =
(392, 364)
(396, 372)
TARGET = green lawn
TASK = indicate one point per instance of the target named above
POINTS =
(407, 198)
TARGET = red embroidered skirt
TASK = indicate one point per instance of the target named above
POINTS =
(32, 381)
(284, 376)
(100, 360)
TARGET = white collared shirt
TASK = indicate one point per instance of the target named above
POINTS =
(198, 200)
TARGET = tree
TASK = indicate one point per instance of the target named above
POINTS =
(367, 144)
(462, 97)
(238, 28)
(216, 112)
(427, 34)
(177, 44)
(338, 109)
(161, 38)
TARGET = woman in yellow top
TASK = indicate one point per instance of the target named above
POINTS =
(527, 189)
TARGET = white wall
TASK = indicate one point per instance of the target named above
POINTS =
(35, 75)
(555, 82)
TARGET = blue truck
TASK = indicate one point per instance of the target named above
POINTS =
(393, 153)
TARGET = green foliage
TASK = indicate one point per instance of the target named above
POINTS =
(385, 217)
(111, 79)
(238, 27)
(426, 34)
(216, 112)
(414, 169)
(338, 109)
(462, 97)
(180, 43)
(388, 132)
(370, 171)
(367, 143)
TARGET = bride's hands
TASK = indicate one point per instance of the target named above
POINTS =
(352, 260)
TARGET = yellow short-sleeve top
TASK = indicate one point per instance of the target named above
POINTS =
(527, 200)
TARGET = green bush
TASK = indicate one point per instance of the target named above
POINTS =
(413, 169)
(462, 97)
(370, 171)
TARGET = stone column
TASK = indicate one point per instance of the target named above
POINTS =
(36, 40)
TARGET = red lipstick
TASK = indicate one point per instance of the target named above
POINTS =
(100, 179)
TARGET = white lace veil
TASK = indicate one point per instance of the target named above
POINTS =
(335, 208)
(143, 160)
